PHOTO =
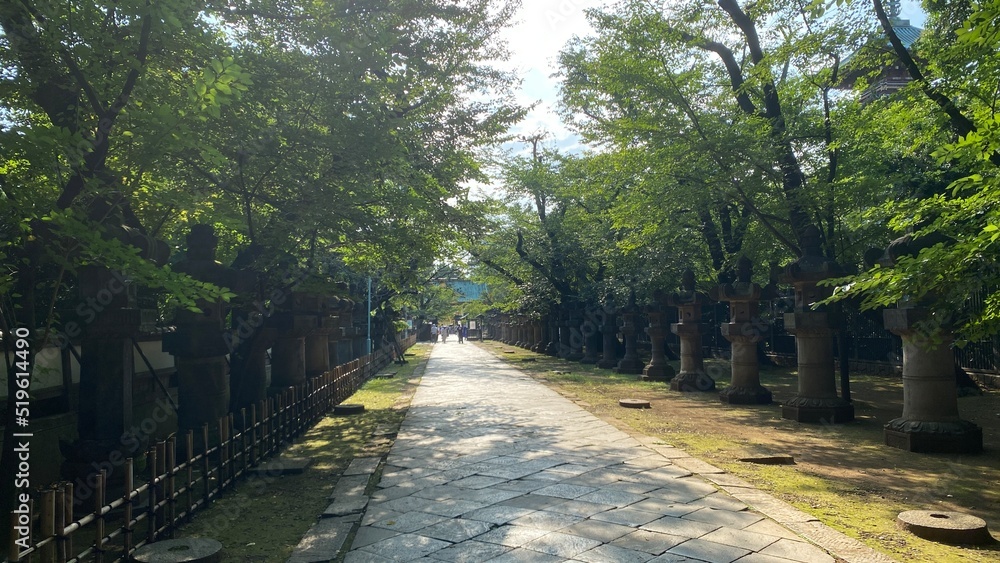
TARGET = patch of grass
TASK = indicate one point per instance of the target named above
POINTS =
(574, 377)
(263, 519)
(844, 474)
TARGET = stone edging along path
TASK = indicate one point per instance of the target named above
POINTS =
(329, 538)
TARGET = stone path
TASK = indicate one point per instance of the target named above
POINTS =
(490, 465)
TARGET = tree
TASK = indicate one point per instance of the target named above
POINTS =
(949, 238)
(746, 150)
(297, 129)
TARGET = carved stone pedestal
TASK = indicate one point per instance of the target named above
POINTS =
(198, 346)
(542, 335)
(575, 335)
(552, 346)
(930, 420)
(592, 340)
(816, 399)
(291, 324)
(609, 348)
(658, 369)
(745, 388)
(692, 377)
(744, 330)
(630, 362)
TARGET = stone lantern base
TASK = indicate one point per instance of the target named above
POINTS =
(961, 436)
(692, 382)
(733, 395)
(629, 365)
(833, 410)
(662, 373)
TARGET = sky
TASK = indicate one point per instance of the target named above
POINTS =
(542, 28)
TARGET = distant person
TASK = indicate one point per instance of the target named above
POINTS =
(465, 332)
(444, 334)
(458, 331)
(434, 333)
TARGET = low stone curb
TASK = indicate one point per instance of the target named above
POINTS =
(327, 538)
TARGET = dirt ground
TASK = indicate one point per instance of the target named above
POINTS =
(843, 474)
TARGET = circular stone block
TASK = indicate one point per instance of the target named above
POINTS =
(188, 550)
(945, 527)
(349, 408)
(634, 403)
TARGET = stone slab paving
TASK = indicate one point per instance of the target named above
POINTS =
(490, 465)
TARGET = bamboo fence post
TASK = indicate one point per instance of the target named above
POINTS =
(222, 453)
(243, 439)
(127, 528)
(206, 465)
(102, 483)
(153, 465)
(68, 501)
(189, 454)
(60, 529)
(253, 442)
(47, 525)
(172, 483)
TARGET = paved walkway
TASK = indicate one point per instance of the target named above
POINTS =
(490, 465)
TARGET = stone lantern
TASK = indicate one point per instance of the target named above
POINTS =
(930, 421)
(541, 334)
(630, 362)
(522, 328)
(575, 334)
(609, 334)
(552, 347)
(294, 318)
(338, 336)
(198, 345)
(689, 301)
(744, 330)
(537, 332)
(591, 334)
(107, 319)
(658, 369)
(360, 324)
(317, 342)
(505, 328)
(816, 400)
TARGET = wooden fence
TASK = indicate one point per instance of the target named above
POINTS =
(170, 492)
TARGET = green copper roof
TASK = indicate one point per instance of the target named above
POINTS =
(907, 33)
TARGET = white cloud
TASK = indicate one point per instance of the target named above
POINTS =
(541, 31)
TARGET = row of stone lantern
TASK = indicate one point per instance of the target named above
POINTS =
(929, 422)
(307, 334)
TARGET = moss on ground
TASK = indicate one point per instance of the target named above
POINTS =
(263, 520)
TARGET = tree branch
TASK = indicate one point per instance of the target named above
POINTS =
(732, 68)
(561, 286)
(499, 269)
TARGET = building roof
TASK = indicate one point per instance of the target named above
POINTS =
(467, 290)
(907, 33)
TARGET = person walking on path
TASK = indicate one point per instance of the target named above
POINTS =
(460, 332)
